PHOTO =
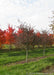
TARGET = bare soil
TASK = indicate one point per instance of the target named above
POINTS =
(49, 69)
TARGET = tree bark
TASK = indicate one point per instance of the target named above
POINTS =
(26, 55)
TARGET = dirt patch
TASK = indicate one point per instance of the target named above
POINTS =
(48, 69)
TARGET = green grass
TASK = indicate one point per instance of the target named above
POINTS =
(31, 68)
(13, 56)
(6, 46)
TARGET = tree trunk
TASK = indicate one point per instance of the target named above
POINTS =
(44, 50)
(26, 55)
(10, 47)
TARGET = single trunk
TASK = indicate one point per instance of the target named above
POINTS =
(33, 46)
(44, 50)
(26, 55)
(10, 47)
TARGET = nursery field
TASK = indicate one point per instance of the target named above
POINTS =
(8, 65)
(32, 68)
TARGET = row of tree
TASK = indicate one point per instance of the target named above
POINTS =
(25, 37)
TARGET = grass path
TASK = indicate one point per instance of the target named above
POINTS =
(29, 60)
(17, 56)
(39, 65)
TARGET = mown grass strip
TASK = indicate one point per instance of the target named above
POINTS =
(32, 67)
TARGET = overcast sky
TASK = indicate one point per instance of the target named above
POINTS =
(34, 12)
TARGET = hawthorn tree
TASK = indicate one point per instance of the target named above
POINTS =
(52, 22)
(52, 25)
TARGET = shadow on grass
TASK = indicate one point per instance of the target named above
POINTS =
(18, 53)
(31, 52)
(51, 60)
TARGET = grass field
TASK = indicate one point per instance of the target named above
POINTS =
(28, 69)
(21, 69)
(13, 56)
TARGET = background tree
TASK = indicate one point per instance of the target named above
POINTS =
(52, 22)
(10, 38)
(2, 38)
(52, 25)
(44, 39)
(50, 40)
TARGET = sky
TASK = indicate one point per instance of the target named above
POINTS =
(34, 12)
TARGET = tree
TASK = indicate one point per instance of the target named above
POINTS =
(10, 38)
(18, 37)
(2, 38)
(50, 39)
(34, 39)
(52, 23)
(38, 39)
(25, 37)
(44, 39)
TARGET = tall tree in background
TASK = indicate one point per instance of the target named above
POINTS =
(52, 25)
(52, 22)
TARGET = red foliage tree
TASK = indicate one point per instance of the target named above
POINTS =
(10, 38)
(51, 36)
(38, 39)
(2, 38)
(38, 34)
